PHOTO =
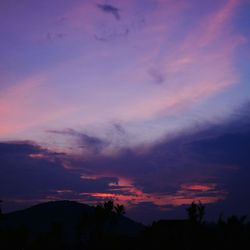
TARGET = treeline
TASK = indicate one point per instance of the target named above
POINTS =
(99, 230)
(195, 233)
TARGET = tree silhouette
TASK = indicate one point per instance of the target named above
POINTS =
(119, 209)
(108, 211)
(93, 227)
(97, 229)
(196, 212)
(236, 221)
(108, 206)
(1, 214)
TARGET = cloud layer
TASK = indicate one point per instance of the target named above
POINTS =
(126, 100)
(210, 164)
(158, 66)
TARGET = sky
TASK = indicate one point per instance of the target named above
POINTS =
(144, 102)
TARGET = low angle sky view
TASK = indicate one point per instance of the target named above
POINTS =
(146, 102)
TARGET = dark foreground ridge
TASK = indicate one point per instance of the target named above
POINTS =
(72, 225)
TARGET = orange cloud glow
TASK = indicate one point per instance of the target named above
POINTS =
(186, 194)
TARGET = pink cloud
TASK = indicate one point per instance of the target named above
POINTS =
(26, 105)
(185, 194)
(90, 88)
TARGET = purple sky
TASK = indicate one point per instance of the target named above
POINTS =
(131, 100)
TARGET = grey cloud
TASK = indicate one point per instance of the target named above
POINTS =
(110, 35)
(100, 38)
(53, 36)
(215, 153)
(110, 9)
(29, 172)
(114, 136)
(18, 148)
(85, 141)
(119, 128)
(157, 76)
(62, 20)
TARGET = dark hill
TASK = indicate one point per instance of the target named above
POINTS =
(39, 220)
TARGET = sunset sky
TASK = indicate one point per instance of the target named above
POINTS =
(142, 101)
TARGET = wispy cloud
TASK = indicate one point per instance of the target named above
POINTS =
(192, 69)
(55, 36)
(24, 107)
(157, 76)
(118, 118)
(196, 165)
(105, 36)
(87, 143)
(110, 9)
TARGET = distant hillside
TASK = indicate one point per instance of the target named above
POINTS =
(39, 219)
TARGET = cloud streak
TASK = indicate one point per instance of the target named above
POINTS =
(110, 9)
(165, 66)
(199, 164)
(192, 64)
(88, 144)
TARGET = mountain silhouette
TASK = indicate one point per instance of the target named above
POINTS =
(64, 216)
(64, 225)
